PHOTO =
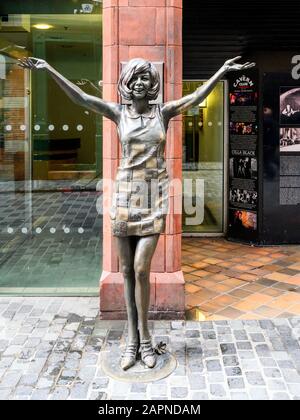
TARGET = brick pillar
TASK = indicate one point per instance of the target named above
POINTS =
(150, 29)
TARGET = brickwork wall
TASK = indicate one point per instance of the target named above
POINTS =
(150, 29)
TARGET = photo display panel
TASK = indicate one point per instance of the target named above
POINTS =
(289, 145)
(243, 155)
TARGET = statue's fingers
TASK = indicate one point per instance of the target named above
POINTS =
(34, 62)
(248, 66)
(22, 62)
(232, 60)
(245, 65)
(31, 63)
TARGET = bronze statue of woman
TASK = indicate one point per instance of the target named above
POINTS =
(138, 212)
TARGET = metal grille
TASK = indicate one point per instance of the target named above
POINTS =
(217, 29)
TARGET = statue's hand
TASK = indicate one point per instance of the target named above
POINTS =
(32, 63)
(231, 65)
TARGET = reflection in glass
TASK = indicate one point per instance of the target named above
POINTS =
(50, 157)
(203, 140)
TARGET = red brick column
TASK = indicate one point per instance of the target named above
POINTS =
(149, 29)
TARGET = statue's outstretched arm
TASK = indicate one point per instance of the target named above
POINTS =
(173, 108)
(110, 110)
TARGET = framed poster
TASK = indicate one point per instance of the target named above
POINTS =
(281, 158)
(243, 155)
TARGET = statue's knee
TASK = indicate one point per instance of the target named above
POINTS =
(141, 274)
(127, 270)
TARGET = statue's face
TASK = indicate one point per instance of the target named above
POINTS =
(140, 85)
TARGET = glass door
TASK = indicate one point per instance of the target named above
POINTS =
(50, 155)
(203, 163)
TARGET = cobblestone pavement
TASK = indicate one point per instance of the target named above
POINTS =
(49, 349)
(226, 280)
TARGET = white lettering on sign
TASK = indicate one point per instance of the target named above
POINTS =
(296, 68)
(243, 81)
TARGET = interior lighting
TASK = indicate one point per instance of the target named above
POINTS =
(42, 26)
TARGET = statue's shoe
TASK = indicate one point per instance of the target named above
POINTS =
(148, 355)
(129, 356)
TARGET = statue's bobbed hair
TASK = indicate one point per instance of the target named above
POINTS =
(136, 66)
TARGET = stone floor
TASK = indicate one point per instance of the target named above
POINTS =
(50, 349)
(226, 280)
(48, 185)
(50, 241)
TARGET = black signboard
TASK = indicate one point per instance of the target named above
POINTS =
(243, 156)
(281, 151)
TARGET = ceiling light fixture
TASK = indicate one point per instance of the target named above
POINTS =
(42, 26)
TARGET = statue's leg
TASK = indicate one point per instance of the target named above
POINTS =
(142, 260)
(126, 250)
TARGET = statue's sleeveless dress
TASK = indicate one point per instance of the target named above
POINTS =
(140, 200)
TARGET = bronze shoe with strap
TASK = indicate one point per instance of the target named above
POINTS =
(148, 355)
(129, 356)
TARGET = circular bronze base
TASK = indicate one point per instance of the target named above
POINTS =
(110, 364)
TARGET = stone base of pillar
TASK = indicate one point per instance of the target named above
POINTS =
(166, 296)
